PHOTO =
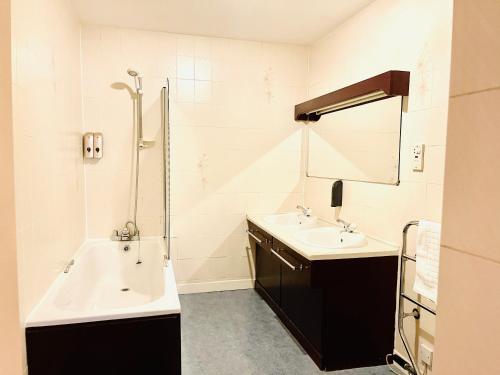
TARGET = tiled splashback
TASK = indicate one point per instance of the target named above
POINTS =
(235, 146)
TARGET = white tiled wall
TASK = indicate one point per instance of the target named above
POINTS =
(401, 35)
(11, 331)
(47, 142)
(235, 146)
(50, 210)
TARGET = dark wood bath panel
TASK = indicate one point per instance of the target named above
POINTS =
(138, 346)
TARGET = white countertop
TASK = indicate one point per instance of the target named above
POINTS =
(372, 248)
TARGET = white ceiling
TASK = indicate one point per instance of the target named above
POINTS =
(286, 21)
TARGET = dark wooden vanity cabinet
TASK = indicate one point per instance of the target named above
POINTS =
(341, 311)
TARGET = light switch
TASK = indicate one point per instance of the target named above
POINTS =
(418, 158)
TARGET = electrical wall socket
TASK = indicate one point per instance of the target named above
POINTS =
(425, 354)
(418, 158)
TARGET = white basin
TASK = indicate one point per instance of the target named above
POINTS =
(331, 238)
(291, 220)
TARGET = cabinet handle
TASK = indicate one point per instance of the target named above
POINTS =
(290, 265)
(257, 239)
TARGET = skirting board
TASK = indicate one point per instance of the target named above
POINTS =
(215, 286)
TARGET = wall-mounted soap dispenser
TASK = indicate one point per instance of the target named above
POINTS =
(92, 146)
(88, 146)
(98, 145)
(337, 189)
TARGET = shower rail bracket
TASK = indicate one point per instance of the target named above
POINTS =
(143, 144)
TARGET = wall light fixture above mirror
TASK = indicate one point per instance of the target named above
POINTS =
(383, 86)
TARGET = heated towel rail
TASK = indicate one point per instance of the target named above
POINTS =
(411, 368)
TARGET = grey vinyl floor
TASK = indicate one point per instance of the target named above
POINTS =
(236, 333)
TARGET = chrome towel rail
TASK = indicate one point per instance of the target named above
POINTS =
(402, 296)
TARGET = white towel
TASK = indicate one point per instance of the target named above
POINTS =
(428, 245)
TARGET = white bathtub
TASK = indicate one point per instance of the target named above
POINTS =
(105, 283)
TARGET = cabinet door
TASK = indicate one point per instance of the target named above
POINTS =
(268, 272)
(301, 303)
(267, 267)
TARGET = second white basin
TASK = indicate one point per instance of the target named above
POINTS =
(331, 238)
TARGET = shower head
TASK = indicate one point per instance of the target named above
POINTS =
(137, 79)
(132, 72)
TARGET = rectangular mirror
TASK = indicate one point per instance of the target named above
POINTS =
(357, 144)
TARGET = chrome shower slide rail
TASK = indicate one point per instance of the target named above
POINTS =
(411, 368)
(165, 131)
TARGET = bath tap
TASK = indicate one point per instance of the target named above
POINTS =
(305, 210)
(122, 235)
(126, 234)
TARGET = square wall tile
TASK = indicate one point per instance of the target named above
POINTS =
(185, 45)
(202, 69)
(185, 90)
(185, 67)
(203, 47)
(434, 202)
(202, 91)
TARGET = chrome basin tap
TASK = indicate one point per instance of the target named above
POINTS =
(68, 266)
(348, 227)
(305, 210)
